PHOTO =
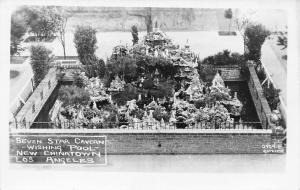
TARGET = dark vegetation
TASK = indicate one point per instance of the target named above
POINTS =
(40, 62)
(13, 74)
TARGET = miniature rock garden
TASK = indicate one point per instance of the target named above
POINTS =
(153, 84)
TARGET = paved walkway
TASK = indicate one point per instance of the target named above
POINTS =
(139, 171)
(276, 68)
(18, 83)
(204, 43)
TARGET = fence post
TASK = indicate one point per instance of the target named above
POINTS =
(32, 84)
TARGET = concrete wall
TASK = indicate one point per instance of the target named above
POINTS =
(36, 101)
(24, 94)
(181, 141)
(262, 107)
(230, 73)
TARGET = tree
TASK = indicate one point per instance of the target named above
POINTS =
(147, 18)
(85, 42)
(228, 15)
(255, 36)
(43, 22)
(135, 35)
(40, 62)
(61, 29)
(242, 24)
(17, 31)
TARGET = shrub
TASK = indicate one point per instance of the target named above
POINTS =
(85, 42)
(148, 84)
(206, 72)
(73, 96)
(272, 96)
(261, 74)
(255, 36)
(135, 35)
(159, 114)
(200, 103)
(282, 41)
(139, 113)
(43, 22)
(96, 68)
(40, 62)
(128, 94)
(224, 58)
(122, 66)
(216, 96)
(165, 89)
(17, 31)
(228, 15)
(78, 80)
(113, 114)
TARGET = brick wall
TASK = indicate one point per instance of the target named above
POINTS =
(185, 142)
(189, 143)
(262, 107)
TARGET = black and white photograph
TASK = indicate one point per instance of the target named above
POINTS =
(148, 90)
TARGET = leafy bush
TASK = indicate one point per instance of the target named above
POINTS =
(206, 72)
(148, 84)
(139, 113)
(133, 66)
(78, 80)
(159, 114)
(40, 62)
(122, 66)
(135, 35)
(85, 42)
(73, 95)
(200, 103)
(96, 68)
(216, 96)
(228, 15)
(261, 74)
(270, 93)
(113, 113)
(164, 89)
(255, 36)
(282, 41)
(17, 31)
(43, 22)
(272, 96)
(224, 58)
(129, 93)
(88, 113)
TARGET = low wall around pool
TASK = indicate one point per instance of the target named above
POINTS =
(262, 107)
(177, 141)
